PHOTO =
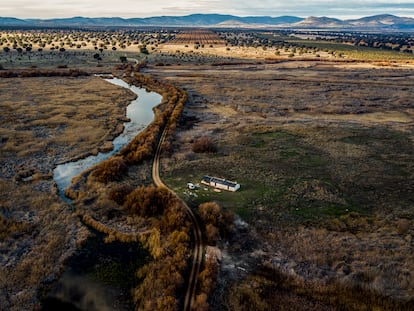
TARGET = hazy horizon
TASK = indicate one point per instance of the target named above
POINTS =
(44, 9)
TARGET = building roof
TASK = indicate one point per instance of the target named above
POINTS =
(219, 181)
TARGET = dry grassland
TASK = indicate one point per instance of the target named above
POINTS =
(45, 121)
(323, 152)
(237, 52)
(324, 157)
(58, 119)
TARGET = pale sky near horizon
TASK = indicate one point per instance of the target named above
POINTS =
(140, 8)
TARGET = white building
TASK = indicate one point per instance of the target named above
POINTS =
(220, 183)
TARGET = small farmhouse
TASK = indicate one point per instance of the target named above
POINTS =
(220, 183)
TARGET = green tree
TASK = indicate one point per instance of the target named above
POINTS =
(143, 49)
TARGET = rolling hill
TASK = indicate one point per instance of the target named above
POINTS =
(378, 22)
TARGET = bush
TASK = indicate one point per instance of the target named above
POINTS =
(204, 145)
(119, 193)
(110, 170)
(210, 213)
(212, 234)
(217, 223)
(148, 201)
(403, 226)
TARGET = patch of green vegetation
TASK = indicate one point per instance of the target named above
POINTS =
(262, 139)
(292, 175)
(117, 273)
(354, 52)
(275, 134)
(318, 210)
(357, 140)
(270, 161)
(113, 263)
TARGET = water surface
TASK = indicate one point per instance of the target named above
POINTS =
(139, 111)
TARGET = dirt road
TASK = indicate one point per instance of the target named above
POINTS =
(198, 241)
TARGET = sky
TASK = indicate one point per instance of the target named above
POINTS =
(146, 8)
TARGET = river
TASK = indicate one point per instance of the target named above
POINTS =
(139, 111)
(80, 287)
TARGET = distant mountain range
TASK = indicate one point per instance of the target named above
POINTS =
(378, 22)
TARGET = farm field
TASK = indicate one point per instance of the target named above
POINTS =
(320, 138)
(198, 37)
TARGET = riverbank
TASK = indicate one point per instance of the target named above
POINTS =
(124, 209)
(99, 276)
(45, 121)
(139, 113)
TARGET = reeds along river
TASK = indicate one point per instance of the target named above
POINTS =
(76, 289)
(139, 111)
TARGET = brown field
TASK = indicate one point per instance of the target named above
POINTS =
(324, 157)
(45, 121)
(199, 37)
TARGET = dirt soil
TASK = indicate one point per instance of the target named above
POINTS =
(324, 157)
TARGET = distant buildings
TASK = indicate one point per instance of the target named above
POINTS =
(220, 183)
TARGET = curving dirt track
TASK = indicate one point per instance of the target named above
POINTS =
(198, 240)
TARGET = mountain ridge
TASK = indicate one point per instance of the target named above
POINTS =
(378, 22)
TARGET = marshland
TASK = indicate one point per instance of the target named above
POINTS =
(319, 137)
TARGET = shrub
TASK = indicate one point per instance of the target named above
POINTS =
(210, 213)
(119, 193)
(201, 302)
(403, 225)
(148, 201)
(110, 170)
(204, 145)
(212, 234)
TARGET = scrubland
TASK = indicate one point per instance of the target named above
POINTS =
(321, 144)
(46, 121)
(324, 158)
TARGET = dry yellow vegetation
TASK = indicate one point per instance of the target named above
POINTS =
(324, 158)
(44, 121)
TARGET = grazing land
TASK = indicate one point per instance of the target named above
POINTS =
(324, 157)
(319, 133)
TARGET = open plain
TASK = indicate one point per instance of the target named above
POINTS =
(323, 154)
(322, 145)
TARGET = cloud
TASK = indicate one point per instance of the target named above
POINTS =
(142, 8)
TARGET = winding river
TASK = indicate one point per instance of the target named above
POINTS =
(139, 111)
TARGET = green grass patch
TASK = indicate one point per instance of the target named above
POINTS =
(117, 273)
(113, 263)
(354, 52)
(294, 176)
(318, 210)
